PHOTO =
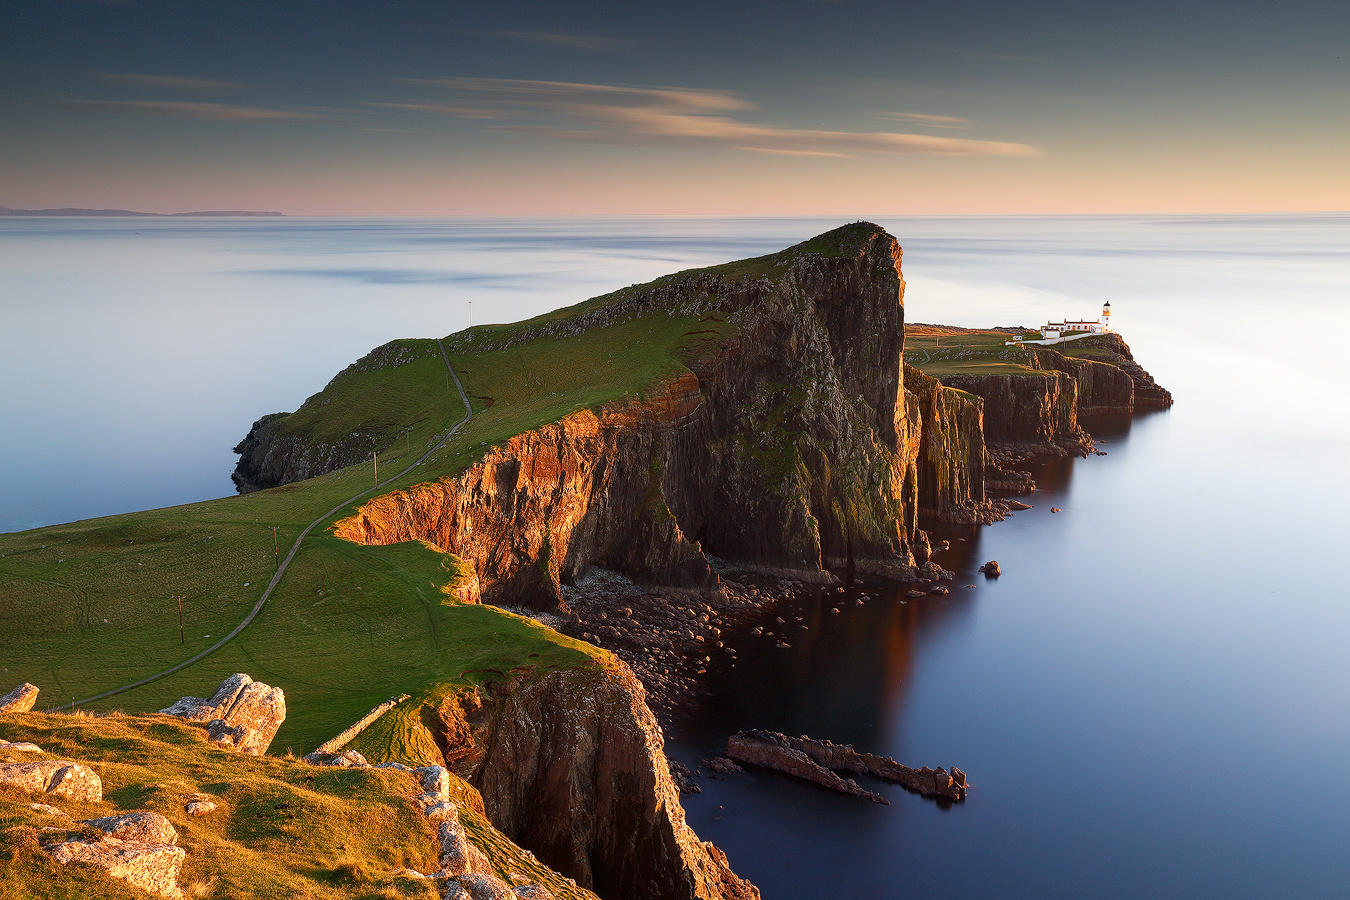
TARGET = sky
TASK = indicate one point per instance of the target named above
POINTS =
(699, 108)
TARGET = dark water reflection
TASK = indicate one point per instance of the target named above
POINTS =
(1120, 718)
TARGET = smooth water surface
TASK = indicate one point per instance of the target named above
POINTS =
(1152, 700)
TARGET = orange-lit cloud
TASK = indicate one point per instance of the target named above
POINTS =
(624, 114)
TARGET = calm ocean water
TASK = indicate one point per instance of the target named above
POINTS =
(1154, 700)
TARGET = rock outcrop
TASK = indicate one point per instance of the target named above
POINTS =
(572, 765)
(58, 777)
(242, 714)
(783, 753)
(749, 747)
(19, 700)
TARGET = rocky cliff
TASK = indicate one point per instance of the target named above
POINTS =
(951, 459)
(789, 446)
(1036, 409)
(572, 765)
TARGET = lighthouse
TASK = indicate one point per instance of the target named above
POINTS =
(1106, 316)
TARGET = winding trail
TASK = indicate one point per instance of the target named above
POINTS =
(295, 548)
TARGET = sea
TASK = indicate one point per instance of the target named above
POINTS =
(1153, 700)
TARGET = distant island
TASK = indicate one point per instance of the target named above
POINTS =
(69, 211)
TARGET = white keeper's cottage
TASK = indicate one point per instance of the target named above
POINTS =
(1098, 326)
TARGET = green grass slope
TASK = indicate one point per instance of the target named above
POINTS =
(282, 828)
(89, 606)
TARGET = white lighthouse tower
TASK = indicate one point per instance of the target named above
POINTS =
(1106, 316)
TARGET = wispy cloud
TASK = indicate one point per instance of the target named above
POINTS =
(589, 43)
(176, 82)
(220, 112)
(625, 114)
(929, 119)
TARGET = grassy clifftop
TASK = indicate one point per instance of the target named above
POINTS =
(89, 606)
(282, 828)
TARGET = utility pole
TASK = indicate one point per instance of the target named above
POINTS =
(276, 551)
(375, 458)
(470, 313)
(181, 638)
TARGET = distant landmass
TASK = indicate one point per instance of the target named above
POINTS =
(70, 211)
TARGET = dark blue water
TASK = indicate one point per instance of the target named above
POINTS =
(1152, 700)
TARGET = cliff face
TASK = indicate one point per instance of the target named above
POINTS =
(572, 765)
(1112, 348)
(1038, 409)
(790, 447)
(1102, 387)
(951, 463)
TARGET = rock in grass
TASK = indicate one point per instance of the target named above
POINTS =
(146, 827)
(153, 868)
(19, 700)
(61, 778)
(242, 714)
(20, 747)
(479, 887)
(458, 855)
(200, 808)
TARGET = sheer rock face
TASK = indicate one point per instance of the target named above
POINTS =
(572, 765)
(58, 777)
(789, 448)
(242, 714)
(19, 700)
(1102, 387)
(951, 463)
(1039, 410)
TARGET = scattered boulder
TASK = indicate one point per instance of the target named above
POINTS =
(146, 827)
(721, 765)
(533, 892)
(19, 700)
(200, 808)
(20, 747)
(46, 808)
(683, 777)
(347, 759)
(479, 886)
(1017, 504)
(458, 855)
(938, 589)
(1055, 509)
(241, 715)
(991, 569)
(151, 867)
(914, 593)
(61, 778)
